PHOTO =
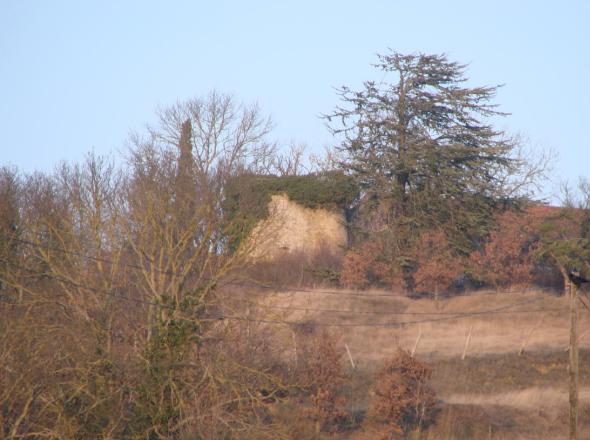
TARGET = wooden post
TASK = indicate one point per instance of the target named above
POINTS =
(294, 337)
(417, 341)
(573, 361)
(467, 343)
(436, 297)
(349, 356)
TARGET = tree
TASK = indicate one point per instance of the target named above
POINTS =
(9, 218)
(177, 233)
(565, 240)
(564, 236)
(113, 323)
(423, 147)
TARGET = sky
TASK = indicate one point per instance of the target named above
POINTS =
(81, 75)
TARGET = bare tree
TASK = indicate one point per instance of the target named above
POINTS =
(176, 233)
(112, 325)
(225, 135)
(527, 171)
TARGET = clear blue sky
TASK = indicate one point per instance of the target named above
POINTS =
(76, 75)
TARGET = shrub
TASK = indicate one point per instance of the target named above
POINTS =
(429, 265)
(404, 401)
(437, 264)
(323, 378)
(507, 256)
(366, 265)
(354, 270)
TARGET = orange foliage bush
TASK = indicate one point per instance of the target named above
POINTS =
(429, 265)
(323, 375)
(367, 265)
(404, 401)
(507, 256)
(354, 270)
(437, 265)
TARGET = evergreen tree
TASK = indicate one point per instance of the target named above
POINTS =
(423, 151)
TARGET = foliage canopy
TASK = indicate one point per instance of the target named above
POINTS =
(423, 147)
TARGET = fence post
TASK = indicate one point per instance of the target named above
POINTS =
(526, 339)
(349, 356)
(467, 343)
(417, 341)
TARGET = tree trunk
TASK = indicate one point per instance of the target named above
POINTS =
(573, 362)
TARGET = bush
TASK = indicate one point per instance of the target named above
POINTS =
(404, 401)
(322, 374)
(354, 270)
(507, 256)
(437, 264)
(366, 265)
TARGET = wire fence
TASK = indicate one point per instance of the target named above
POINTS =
(434, 316)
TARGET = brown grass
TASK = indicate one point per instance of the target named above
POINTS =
(546, 328)
(549, 399)
(494, 393)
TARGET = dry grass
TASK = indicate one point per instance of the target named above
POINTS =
(442, 336)
(535, 398)
(494, 393)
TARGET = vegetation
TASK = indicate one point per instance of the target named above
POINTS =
(423, 153)
(112, 330)
(321, 365)
(125, 310)
(404, 400)
(565, 237)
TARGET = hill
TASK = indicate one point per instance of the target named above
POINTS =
(499, 359)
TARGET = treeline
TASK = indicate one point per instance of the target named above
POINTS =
(436, 199)
(513, 254)
(117, 295)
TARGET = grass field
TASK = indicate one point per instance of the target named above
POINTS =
(512, 383)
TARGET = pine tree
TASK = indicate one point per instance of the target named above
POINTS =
(423, 151)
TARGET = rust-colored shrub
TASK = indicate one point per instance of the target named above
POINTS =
(404, 401)
(354, 270)
(507, 256)
(437, 264)
(430, 264)
(324, 377)
(366, 265)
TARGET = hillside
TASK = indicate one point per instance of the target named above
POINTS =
(512, 383)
